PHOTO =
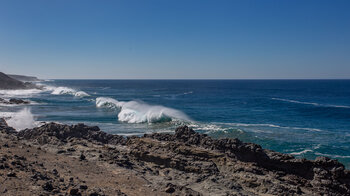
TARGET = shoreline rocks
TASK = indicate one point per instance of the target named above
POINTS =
(14, 101)
(183, 163)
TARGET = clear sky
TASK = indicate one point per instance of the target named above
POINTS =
(175, 39)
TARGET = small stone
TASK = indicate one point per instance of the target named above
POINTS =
(74, 191)
(48, 186)
(11, 174)
(170, 190)
(82, 157)
(71, 149)
(55, 172)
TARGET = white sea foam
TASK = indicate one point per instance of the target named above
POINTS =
(272, 126)
(311, 103)
(140, 112)
(207, 127)
(21, 120)
(301, 152)
(333, 155)
(189, 92)
(67, 91)
(6, 115)
(22, 92)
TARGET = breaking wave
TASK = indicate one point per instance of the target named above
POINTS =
(67, 91)
(21, 120)
(140, 112)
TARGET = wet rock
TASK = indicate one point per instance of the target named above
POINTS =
(13, 101)
(18, 101)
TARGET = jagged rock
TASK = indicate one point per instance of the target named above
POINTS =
(53, 132)
(185, 163)
(323, 173)
(7, 82)
(18, 101)
(4, 127)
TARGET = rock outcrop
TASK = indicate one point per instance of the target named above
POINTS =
(9, 83)
(53, 132)
(184, 163)
(13, 101)
(24, 78)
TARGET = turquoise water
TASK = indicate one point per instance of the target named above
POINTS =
(306, 118)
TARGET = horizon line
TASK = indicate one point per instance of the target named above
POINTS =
(198, 79)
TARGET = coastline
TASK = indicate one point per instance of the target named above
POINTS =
(82, 160)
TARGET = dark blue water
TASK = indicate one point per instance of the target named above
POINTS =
(307, 118)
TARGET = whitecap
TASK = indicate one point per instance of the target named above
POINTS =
(311, 103)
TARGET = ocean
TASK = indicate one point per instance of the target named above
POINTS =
(305, 118)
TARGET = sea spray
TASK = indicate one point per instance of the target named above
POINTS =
(22, 120)
(140, 112)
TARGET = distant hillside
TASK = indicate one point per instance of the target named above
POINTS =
(6, 82)
(24, 78)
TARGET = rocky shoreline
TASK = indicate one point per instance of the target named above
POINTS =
(9, 83)
(57, 159)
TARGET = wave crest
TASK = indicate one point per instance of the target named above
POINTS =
(68, 91)
(140, 112)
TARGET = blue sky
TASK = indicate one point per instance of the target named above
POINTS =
(191, 39)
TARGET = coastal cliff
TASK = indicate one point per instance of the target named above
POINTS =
(83, 160)
(24, 78)
(10, 83)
